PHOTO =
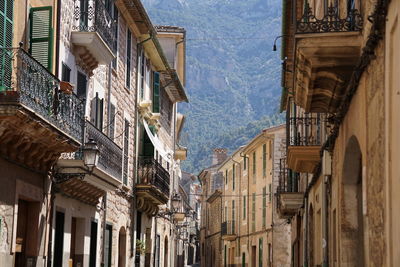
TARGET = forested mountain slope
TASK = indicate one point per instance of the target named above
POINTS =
(233, 76)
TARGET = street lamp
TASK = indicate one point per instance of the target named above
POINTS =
(90, 155)
(280, 36)
(175, 201)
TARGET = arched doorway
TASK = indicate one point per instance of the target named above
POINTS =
(352, 225)
(122, 247)
(166, 251)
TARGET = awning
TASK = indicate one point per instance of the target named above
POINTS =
(166, 154)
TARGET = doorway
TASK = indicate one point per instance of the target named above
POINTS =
(352, 225)
(166, 252)
(253, 256)
(59, 239)
(122, 247)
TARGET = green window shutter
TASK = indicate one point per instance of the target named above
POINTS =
(244, 162)
(112, 121)
(264, 160)
(253, 212)
(260, 252)
(226, 176)
(233, 177)
(264, 210)
(156, 92)
(270, 192)
(244, 207)
(6, 36)
(41, 35)
(254, 167)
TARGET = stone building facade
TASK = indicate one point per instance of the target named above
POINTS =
(211, 211)
(87, 81)
(339, 191)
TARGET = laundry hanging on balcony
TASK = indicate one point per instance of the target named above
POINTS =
(166, 154)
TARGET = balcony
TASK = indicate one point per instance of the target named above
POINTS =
(228, 231)
(289, 199)
(304, 145)
(152, 187)
(38, 122)
(106, 176)
(93, 34)
(328, 47)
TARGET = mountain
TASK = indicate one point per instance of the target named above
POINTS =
(233, 76)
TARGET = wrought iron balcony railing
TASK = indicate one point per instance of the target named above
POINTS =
(93, 16)
(25, 80)
(305, 131)
(110, 158)
(151, 172)
(228, 228)
(330, 22)
(288, 180)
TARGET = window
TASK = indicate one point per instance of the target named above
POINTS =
(84, 15)
(96, 112)
(66, 73)
(244, 207)
(81, 85)
(6, 36)
(156, 92)
(270, 192)
(244, 162)
(253, 212)
(226, 176)
(264, 160)
(233, 177)
(260, 252)
(40, 34)
(126, 152)
(142, 73)
(111, 129)
(264, 207)
(254, 167)
(233, 213)
(128, 59)
(108, 245)
(270, 149)
(115, 17)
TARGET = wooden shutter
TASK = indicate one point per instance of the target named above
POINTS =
(93, 109)
(264, 209)
(128, 59)
(81, 86)
(156, 92)
(112, 122)
(6, 36)
(41, 35)
(264, 160)
(99, 113)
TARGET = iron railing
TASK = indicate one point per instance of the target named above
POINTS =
(228, 228)
(151, 172)
(305, 131)
(330, 22)
(288, 180)
(24, 79)
(110, 158)
(93, 16)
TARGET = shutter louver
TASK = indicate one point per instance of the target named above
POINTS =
(112, 121)
(6, 28)
(41, 35)
(156, 92)
(81, 86)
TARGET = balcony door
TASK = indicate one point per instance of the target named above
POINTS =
(147, 147)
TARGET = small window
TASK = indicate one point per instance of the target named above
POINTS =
(233, 177)
(82, 85)
(126, 152)
(128, 59)
(244, 207)
(66, 73)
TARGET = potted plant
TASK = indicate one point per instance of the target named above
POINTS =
(140, 247)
